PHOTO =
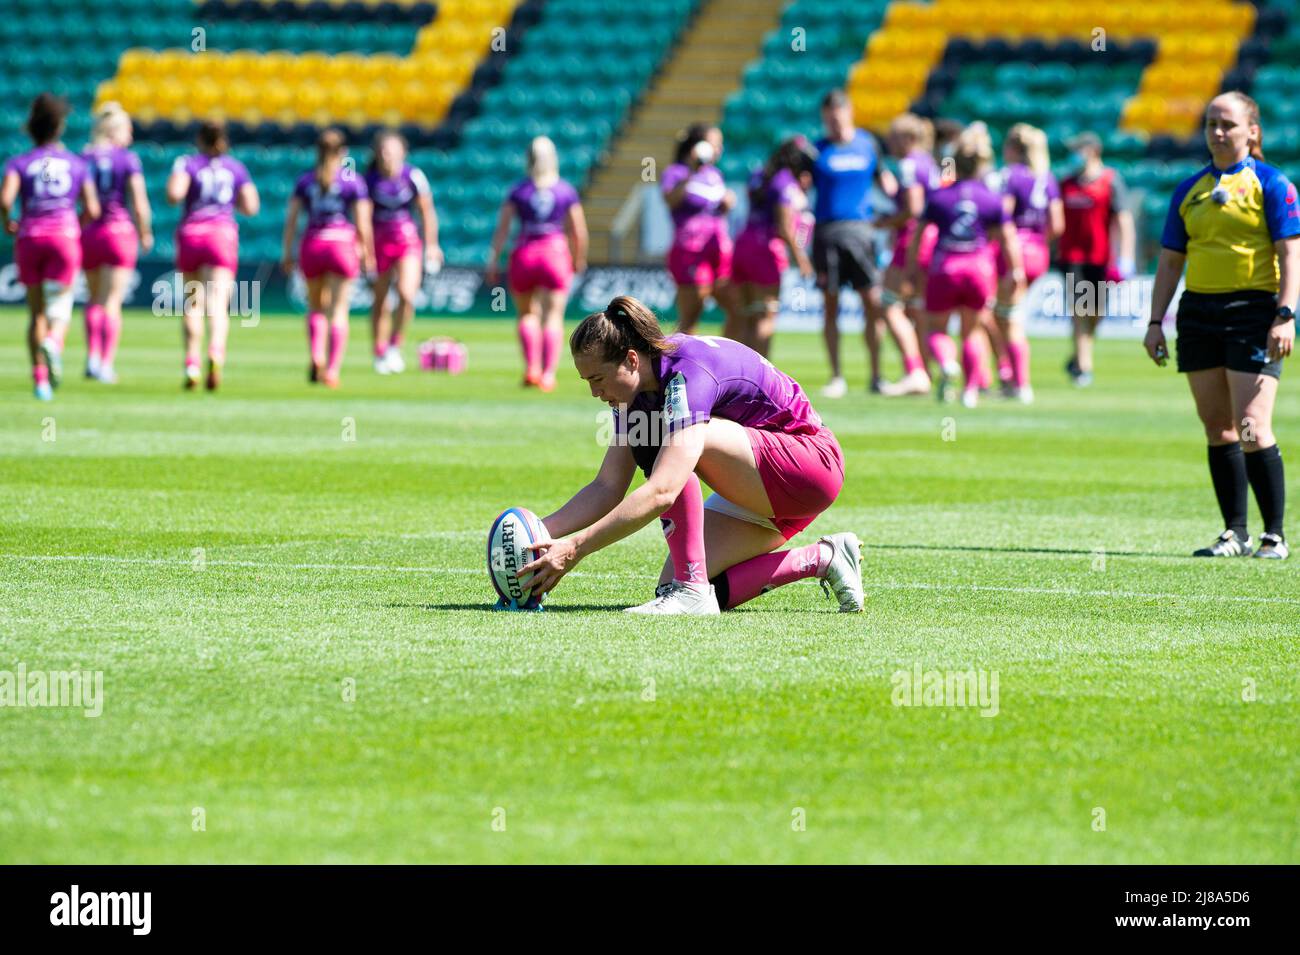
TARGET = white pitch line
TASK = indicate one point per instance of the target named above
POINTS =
(872, 585)
(1072, 592)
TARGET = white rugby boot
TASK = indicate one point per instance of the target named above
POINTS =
(843, 576)
(677, 598)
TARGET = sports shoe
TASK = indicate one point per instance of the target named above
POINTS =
(1024, 395)
(191, 381)
(913, 383)
(1272, 547)
(315, 371)
(214, 375)
(1009, 389)
(947, 387)
(1083, 379)
(532, 379)
(970, 398)
(1228, 544)
(877, 386)
(396, 364)
(835, 388)
(44, 392)
(93, 367)
(681, 599)
(381, 367)
(329, 380)
(54, 361)
(843, 577)
(547, 384)
(106, 375)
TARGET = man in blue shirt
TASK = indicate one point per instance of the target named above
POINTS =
(843, 250)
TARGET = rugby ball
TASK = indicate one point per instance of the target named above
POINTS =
(507, 551)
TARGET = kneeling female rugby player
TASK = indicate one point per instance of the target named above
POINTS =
(724, 414)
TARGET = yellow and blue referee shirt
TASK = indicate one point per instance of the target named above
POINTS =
(1226, 221)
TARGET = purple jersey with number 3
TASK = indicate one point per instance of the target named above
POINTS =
(215, 181)
(112, 167)
(966, 212)
(50, 181)
(1033, 194)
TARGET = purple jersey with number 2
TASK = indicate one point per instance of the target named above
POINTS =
(966, 212)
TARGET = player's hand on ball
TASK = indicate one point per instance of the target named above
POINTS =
(556, 559)
(1281, 339)
(1154, 343)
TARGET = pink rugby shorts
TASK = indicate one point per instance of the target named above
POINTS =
(52, 255)
(109, 242)
(329, 250)
(802, 474)
(961, 280)
(543, 262)
(213, 243)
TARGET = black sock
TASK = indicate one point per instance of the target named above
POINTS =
(1264, 468)
(1228, 472)
(722, 589)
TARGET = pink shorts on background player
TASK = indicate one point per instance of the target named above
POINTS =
(394, 242)
(924, 254)
(52, 255)
(214, 243)
(759, 257)
(961, 280)
(109, 242)
(329, 250)
(706, 265)
(1034, 254)
(802, 474)
(544, 262)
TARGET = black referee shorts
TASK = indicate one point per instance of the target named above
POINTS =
(1226, 330)
(843, 253)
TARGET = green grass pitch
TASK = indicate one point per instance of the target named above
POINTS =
(293, 631)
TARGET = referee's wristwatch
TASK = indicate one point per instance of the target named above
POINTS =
(1283, 314)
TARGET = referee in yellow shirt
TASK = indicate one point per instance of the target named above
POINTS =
(1236, 226)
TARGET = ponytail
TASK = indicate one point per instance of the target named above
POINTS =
(625, 325)
(330, 147)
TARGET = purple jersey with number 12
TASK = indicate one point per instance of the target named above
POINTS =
(215, 181)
